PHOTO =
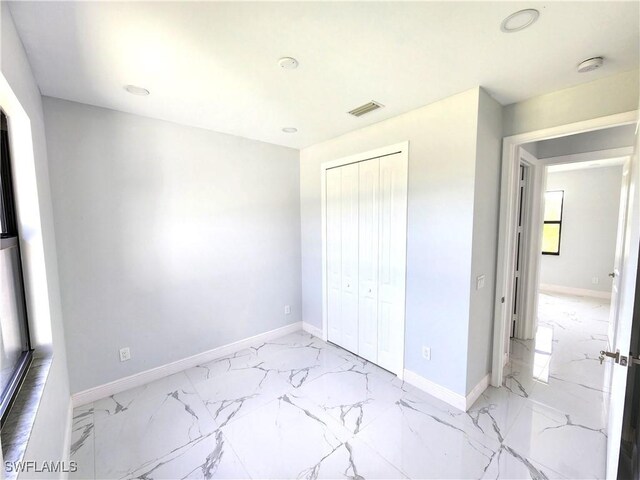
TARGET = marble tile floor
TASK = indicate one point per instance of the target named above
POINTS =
(297, 407)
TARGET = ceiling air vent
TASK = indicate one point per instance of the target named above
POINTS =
(366, 108)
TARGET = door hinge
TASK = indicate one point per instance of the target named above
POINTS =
(629, 361)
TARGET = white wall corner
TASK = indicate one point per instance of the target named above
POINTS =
(438, 391)
(476, 391)
(312, 329)
(117, 386)
(581, 292)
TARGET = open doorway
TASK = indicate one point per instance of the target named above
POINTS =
(563, 237)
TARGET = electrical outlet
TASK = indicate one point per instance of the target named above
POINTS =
(426, 353)
(480, 282)
(287, 309)
(595, 280)
(125, 354)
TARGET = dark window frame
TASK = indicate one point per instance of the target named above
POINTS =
(9, 239)
(556, 222)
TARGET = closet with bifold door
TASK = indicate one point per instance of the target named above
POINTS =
(365, 254)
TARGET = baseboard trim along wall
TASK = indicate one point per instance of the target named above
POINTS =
(117, 386)
(454, 399)
(582, 292)
(312, 329)
(66, 444)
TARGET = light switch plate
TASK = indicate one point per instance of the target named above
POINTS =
(480, 282)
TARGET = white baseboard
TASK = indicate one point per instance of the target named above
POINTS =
(454, 399)
(582, 292)
(476, 391)
(66, 443)
(441, 393)
(117, 386)
(312, 329)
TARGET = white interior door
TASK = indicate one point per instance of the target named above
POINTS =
(349, 226)
(617, 262)
(623, 296)
(334, 257)
(368, 261)
(392, 258)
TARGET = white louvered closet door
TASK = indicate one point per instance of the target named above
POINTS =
(368, 259)
(366, 222)
(334, 250)
(349, 227)
(392, 258)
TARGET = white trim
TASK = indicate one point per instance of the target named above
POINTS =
(403, 149)
(312, 329)
(441, 393)
(66, 444)
(588, 156)
(102, 391)
(476, 391)
(581, 292)
(509, 183)
(454, 399)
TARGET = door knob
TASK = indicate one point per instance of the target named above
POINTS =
(615, 356)
(612, 274)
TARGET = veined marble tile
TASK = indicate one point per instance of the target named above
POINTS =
(585, 403)
(355, 460)
(353, 394)
(521, 379)
(82, 442)
(509, 464)
(559, 441)
(207, 457)
(237, 391)
(285, 439)
(143, 425)
(423, 442)
(493, 414)
(304, 363)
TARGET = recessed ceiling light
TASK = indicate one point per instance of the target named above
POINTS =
(289, 130)
(519, 20)
(134, 90)
(590, 64)
(288, 63)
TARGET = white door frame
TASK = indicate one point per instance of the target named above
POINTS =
(398, 148)
(508, 209)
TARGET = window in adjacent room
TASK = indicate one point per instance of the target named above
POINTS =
(552, 229)
(15, 349)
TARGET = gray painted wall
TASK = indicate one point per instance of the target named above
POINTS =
(485, 238)
(605, 139)
(442, 158)
(172, 240)
(606, 96)
(52, 421)
(589, 228)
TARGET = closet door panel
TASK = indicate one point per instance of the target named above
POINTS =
(334, 249)
(368, 259)
(349, 228)
(392, 258)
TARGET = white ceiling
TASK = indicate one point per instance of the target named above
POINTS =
(214, 65)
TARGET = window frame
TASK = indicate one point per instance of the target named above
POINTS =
(9, 238)
(555, 222)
